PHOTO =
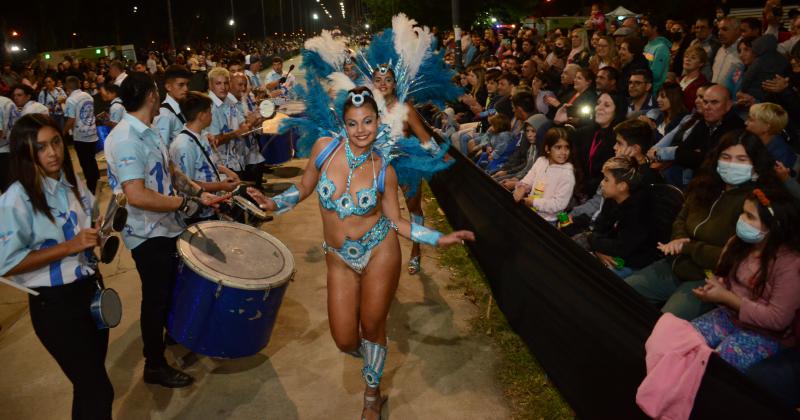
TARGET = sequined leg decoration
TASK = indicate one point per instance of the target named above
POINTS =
(374, 358)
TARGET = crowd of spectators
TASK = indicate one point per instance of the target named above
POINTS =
(663, 147)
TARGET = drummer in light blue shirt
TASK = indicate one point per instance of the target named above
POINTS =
(228, 123)
(252, 74)
(139, 167)
(194, 155)
(46, 243)
(53, 97)
(110, 93)
(170, 120)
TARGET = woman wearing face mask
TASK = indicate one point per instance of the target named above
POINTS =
(361, 219)
(705, 223)
(755, 284)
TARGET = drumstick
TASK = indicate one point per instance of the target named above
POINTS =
(18, 286)
(220, 199)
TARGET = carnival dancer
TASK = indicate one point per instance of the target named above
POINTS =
(401, 68)
(47, 239)
(139, 167)
(361, 219)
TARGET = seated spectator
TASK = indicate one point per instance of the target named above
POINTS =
(620, 238)
(755, 283)
(633, 138)
(594, 143)
(579, 54)
(663, 152)
(518, 165)
(705, 223)
(493, 142)
(762, 62)
(606, 80)
(718, 119)
(640, 96)
(787, 46)
(631, 58)
(577, 111)
(547, 188)
(767, 121)
(694, 60)
(679, 36)
(671, 107)
(605, 54)
(750, 27)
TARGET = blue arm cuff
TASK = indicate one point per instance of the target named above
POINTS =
(423, 235)
(286, 200)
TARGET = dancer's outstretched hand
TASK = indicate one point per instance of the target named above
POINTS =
(456, 237)
(263, 202)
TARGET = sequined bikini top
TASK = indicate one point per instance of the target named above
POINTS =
(365, 199)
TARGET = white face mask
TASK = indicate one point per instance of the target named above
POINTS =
(734, 173)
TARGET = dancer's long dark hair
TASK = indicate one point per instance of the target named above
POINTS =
(25, 166)
(783, 234)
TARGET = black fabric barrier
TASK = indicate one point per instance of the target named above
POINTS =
(584, 325)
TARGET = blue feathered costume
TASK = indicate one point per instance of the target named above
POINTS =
(421, 77)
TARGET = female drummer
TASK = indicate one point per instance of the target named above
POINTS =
(385, 82)
(46, 241)
(361, 219)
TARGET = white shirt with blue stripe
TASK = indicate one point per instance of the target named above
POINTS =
(24, 230)
(255, 80)
(226, 116)
(191, 160)
(133, 151)
(80, 106)
(247, 105)
(14, 113)
(116, 110)
(167, 122)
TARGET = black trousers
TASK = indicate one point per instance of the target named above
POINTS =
(63, 322)
(86, 156)
(5, 171)
(157, 263)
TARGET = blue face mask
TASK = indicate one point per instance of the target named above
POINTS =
(748, 233)
(734, 173)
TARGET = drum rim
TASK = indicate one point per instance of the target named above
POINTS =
(229, 281)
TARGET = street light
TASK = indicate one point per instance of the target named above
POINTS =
(15, 48)
(315, 16)
(14, 34)
(366, 26)
(231, 22)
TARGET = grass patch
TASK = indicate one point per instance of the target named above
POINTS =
(526, 387)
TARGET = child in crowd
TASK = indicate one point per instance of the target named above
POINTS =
(633, 138)
(494, 143)
(767, 121)
(548, 186)
(193, 154)
(510, 177)
(621, 237)
(756, 284)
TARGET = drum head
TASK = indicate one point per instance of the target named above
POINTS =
(236, 255)
(110, 307)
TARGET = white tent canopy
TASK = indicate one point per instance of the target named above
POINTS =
(620, 11)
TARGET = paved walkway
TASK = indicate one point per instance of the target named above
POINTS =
(435, 367)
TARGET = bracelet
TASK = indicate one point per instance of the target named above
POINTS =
(183, 203)
(286, 200)
(423, 235)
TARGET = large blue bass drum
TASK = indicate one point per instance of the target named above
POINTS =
(230, 285)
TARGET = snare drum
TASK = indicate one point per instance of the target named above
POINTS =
(230, 284)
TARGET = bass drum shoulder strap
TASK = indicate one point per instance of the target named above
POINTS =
(208, 158)
(172, 110)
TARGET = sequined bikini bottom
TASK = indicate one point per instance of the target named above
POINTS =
(356, 253)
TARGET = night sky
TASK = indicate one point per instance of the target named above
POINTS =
(48, 25)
